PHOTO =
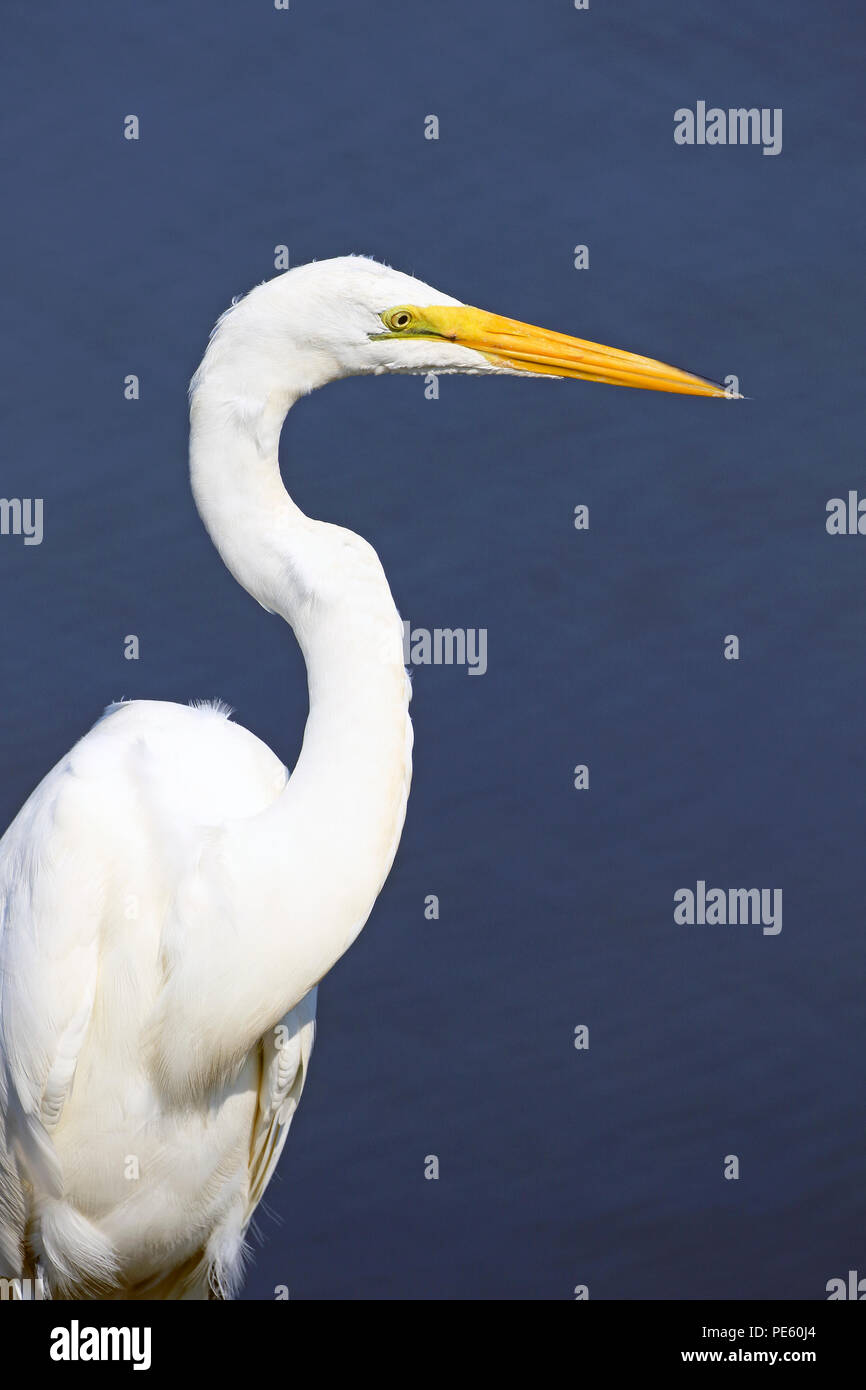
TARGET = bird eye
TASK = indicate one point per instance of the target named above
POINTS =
(398, 319)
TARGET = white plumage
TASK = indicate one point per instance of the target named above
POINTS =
(170, 896)
(134, 1181)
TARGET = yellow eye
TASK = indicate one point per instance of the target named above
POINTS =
(398, 320)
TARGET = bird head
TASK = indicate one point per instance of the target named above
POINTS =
(352, 316)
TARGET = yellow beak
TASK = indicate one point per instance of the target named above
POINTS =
(521, 347)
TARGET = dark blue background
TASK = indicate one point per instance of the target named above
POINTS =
(455, 1037)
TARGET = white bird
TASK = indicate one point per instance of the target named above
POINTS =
(169, 896)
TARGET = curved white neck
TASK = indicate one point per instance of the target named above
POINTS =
(315, 860)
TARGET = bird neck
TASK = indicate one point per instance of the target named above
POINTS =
(316, 859)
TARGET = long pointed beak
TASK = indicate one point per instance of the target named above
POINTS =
(524, 348)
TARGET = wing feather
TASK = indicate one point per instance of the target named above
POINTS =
(285, 1060)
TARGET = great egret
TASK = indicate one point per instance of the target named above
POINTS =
(170, 896)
